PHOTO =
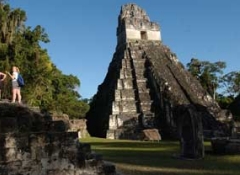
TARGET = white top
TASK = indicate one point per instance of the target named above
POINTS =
(15, 74)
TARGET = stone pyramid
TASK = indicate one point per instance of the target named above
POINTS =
(146, 86)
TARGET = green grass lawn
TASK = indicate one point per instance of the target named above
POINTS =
(155, 158)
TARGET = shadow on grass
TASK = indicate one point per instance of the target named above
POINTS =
(148, 158)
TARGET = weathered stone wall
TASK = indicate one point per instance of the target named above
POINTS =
(76, 125)
(34, 144)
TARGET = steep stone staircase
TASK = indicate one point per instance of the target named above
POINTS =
(132, 103)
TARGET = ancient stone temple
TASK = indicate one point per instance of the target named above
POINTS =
(145, 85)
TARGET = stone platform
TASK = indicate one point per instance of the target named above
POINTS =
(34, 144)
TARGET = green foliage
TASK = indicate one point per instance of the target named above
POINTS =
(224, 101)
(46, 86)
(231, 83)
(211, 78)
(209, 74)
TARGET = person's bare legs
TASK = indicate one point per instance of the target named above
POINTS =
(18, 93)
(14, 92)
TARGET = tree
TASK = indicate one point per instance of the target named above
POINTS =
(46, 86)
(209, 74)
(231, 83)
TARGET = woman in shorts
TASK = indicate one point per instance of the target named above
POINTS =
(16, 90)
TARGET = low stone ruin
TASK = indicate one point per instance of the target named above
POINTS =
(225, 145)
(190, 131)
(75, 125)
(34, 144)
(229, 144)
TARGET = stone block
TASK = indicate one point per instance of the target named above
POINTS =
(22, 141)
(114, 134)
(127, 95)
(8, 124)
(129, 106)
(83, 133)
(115, 121)
(117, 95)
(116, 107)
(150, 135)
(126, 71)
(110, 134)
(140, 67)
(57, 126)
(61, 117)
(25, 122)
(129, 123)
(140, 73)
(142, 87)
(144, 96)
(9, 140)
(10, 154)
(125, 83)
(119, 84)
(38, 139)
(77, 124)
(147, 120)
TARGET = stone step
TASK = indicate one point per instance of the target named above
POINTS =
(126, 73)
(124, 106)
(146, 107)
(144, 97)
(143, 90)
(143, 80)
(113, 133)
(26, 139)
(125, 94)
(142, 86)
(125, 83)
(117, 121)
(126, 115)
(139, 65)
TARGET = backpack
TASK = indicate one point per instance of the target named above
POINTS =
(20, 80)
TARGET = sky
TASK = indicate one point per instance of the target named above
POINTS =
(83, 37)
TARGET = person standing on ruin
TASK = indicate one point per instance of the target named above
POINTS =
(2, 78)
(16, 90)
